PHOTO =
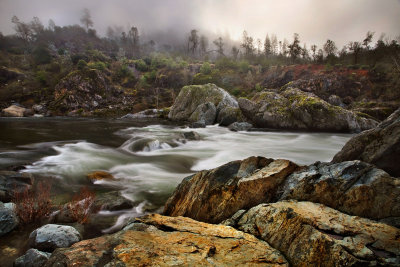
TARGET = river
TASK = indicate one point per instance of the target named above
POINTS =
(147, 158)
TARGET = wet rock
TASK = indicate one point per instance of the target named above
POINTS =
(313, 234)
(193, 96)
(156, 240)
(379, 146)
(8, 218)
(99, 175)
(32, 258)
(214, 195)
(12, 182)
(205, 112)
(191, 136)
(148, 113)
(353, 187)
(240, 126)
(112, 201)
(52, 236)
(198, 124)
(291, 108)
(335, 100)
(13, 111)
(38, 108)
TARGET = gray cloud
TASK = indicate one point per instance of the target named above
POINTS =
(314, 20)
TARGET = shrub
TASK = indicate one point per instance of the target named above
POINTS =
(97, 65)
(81, 64)
(141, 65)
(226, 63)
(80, 207)
(41, 77)
(31, 206)
(41, 55)
(244, 66)
(200, 78)
(205, 68)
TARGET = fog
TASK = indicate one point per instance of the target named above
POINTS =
(315, 20)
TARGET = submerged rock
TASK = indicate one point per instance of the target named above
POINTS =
(32, 258)
(52, 236)
(191, 136)
(379, 146)
(240, 126)
(313, 234)
(156, 240)
(196, 103)
(12, 182)
(8, 218)
(214, 195)
(292, 108)
(13, 111)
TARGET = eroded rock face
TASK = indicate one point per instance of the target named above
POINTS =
(353, 187)
(52, 236)
(156, 240)
(214, 195)
(8, 218)
(379, 146)
(13, 111)
(313, 234)
(195, 100)
(291, 108)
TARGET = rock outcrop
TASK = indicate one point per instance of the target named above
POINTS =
(156, 240)
(291, 108)
(52, 236)
(313, 234)
(8, 218)
(205, 103)
(240, 126)
(379, 146)
(214, 195)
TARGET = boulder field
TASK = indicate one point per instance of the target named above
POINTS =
(262, 212)
(285, 108)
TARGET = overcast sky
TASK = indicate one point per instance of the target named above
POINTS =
(314, 20)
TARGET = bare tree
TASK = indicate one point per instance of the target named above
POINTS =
(247, 44)
(274, 44)
(133, 39)
(193, 41)
(235, 52)
(203, 44)
(355, 47)
(330, 48)
(22, 29)
(220, 46)
(368, 39)
(86, 19)
(314, 50)
(294, 47)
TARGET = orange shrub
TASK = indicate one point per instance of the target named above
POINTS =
(80, 207)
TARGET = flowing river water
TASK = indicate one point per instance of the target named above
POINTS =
(147, 158)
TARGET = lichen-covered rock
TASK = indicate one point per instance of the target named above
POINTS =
(291, 108)
(214, 195)
(52, 236)
(32, 258)
(193, 96)
(12, 182)
(353, 187)
(206, 112)
(13, 111)
(8, 218)
(379, 146)
(156, 240)
(311, 234)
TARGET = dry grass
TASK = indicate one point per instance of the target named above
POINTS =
(80, 207)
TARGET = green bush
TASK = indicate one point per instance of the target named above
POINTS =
(81, 64)
(41, 55)
(224, 63)
(141, 65)
(41, 77)
(244, 66)
(205, 68)
(201, 78)
(97, 65)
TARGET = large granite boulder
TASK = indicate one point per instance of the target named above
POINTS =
(353, 187)
(13, 111)
(214, 195)
(291, 108)
(32, 258)
(311, 234)
(379, 146)
(195, 100)
(14, 182)
(8, 218)
(156, 240)
(52, 236)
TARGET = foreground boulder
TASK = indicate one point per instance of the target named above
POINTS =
(214, 195)
(52, 236)
(14, 182)
(32, 258)
(205, 103)
(379, 146)
(291, 108)
(313, 234)
(13, 111)
(156, 240)
(8, 218)
(353, 187)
